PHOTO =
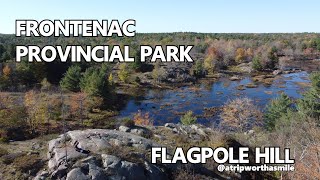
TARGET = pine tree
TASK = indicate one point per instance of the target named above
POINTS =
(256, 64)
(95, 83)
(309, 105)
(277, 108)
(71, 79)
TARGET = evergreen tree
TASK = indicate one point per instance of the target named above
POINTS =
(309, 105)
(2, 50)
(71, 79)
(273, 56)
(277, 108)
(95, 83)
(256, 63)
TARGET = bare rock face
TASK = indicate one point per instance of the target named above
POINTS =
(80, 155)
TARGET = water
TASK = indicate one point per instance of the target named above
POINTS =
(168, 105)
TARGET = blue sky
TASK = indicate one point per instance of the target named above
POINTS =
(175, 16)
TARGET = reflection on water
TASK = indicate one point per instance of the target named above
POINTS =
(168, 105)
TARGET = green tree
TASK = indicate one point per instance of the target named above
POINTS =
(5, 56)
(309, 105)
(71, 79)
(198, 69)
(95, 83)
(2, 50)
(277, 108)
(137, 65)
(256, 63)
(273, 56)
(188, 118)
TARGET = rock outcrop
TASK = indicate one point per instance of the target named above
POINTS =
(82, 155)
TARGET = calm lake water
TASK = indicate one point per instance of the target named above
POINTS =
(168, 105)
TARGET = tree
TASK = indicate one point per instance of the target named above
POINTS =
(256, 64)
(198, 70)
(277, 108)
(240, 55)
(2, 50)
(5, 56)
(71, 79)
(37, 109)
(273, 57)
(309, 105)
(123, 73)
(95, 83)
(137, 64)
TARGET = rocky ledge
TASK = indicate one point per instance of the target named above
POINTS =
(124, 153)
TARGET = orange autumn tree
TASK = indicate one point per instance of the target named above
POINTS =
(79, 105)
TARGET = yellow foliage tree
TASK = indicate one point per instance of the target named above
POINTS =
(209, 61)
(123, 73)
(37, 108)
(240, 55)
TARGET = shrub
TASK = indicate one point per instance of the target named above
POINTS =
(127, 122)
(188, 118)
(143, 119)
(45, 85)
(315, 81)
(275, 109)
(197, 69)
(3, 152)
(29, 162)
(158, 73)
(240, 114)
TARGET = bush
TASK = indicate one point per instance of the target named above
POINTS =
(127, 122)
(240, 114)
(143, 119)
(198, 69)
(188, 118)
(29, 162)
(158, 73)
(3, 152)
(277, 108)
(45, 85)
(13, 123)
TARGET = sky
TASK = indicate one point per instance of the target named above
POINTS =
(208, 16)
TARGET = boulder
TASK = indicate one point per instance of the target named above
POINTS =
(235, 78)
(76, 174)
(277, 72)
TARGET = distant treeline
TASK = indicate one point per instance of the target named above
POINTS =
(212, 51)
